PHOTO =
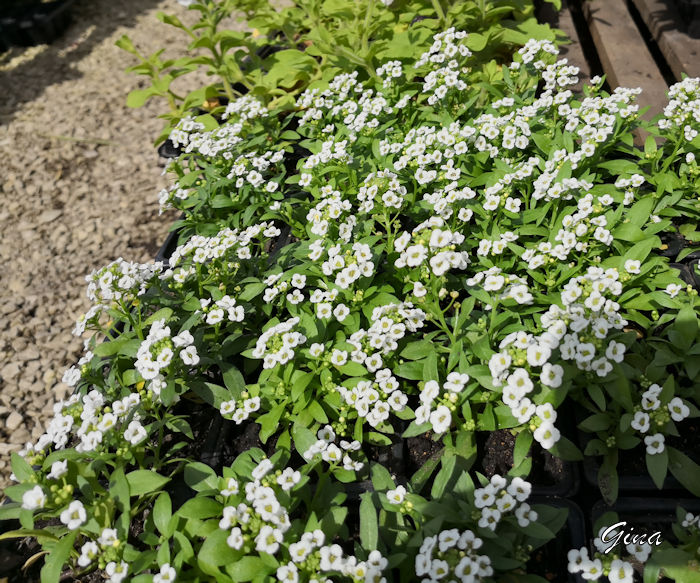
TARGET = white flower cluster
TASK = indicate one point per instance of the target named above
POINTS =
(180, 134)
(200, 249)
(120, 281)
(453, 556)
(116, 572)
(332, 454)
(158, 349)
(222, 140)
(90, 411)
(575, 233)
(582, 328)
(259, 516)
(329, 210)
(245, 108)
(691, 520)
(591, 569)
(359, 113)
(507, 369)
(440, 81)
(220, 310)
(389, 71)
(496, 247)
(436, 406)
(375, 400)
(389, 325)
(239, 412)
(683, 109)
(511, 286)
(650, 413)
(331, 151)
(294, 295)
(433, 245)
(499, 498)
(348, 265)
(251, 167)
(315, 560)
(381, 185)
(276, 345)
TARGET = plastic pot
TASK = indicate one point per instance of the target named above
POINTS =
(571, 536)
(37, 23)
(646, 515)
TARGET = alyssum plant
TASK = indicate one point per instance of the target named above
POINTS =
(462, 258)
(283, 52)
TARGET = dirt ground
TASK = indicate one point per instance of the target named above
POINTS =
(78, 188)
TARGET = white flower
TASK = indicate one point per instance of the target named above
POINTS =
(117, 572)
(288, 479)
(396, 496)
(547, 435)
(640, 421)
(673, 289)
(441, 419)
(88, 553)
(577, 559)
(678, 409)
(167, 573)
(620, 572)
(108, 537)
(33, 499)
(632, 266)
(654, 443)
(262, 469)
(235, 539)
(189, 355)
(288, 573)
(74, 516)
(268, 540)
(135, 433)
(552, 375)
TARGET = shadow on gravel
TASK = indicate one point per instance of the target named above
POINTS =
(91, 22)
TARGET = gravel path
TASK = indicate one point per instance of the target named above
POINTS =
(78, 185)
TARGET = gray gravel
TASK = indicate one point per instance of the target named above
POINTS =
(78, 187)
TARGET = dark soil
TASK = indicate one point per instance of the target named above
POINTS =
(418, 451)
(549, 561)
(633, 462)
(547, 470)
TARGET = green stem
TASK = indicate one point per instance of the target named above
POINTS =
(365, 30)
(441, 13)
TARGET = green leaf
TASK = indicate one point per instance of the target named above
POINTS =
(21, 469)
(522, 447)
(444, 476)
(144, 481)
(57, 558)
(369, 527)
(199, 508)
(162, 512)
(213, 394)
(418, 349)
(657, 464)
(686, 324)
(685, 470)
(214, 553)
(566, 450)
(250, 569)
(233, 379)
(381, 478)
(595, 423)
(162, 314)
(138, 97)
(199, 477)
(608, 479)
